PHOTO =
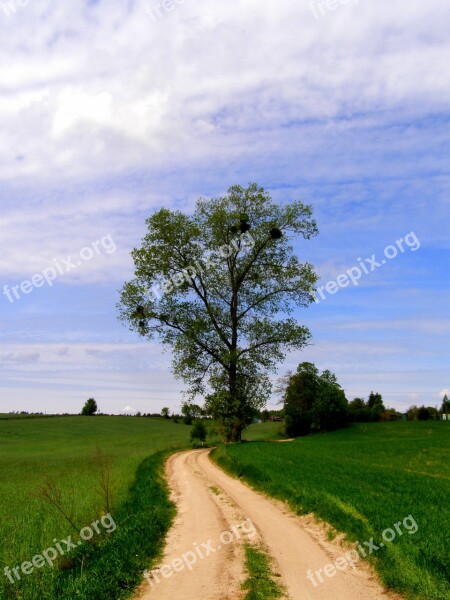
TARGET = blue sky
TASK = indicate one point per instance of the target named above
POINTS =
(110, 111)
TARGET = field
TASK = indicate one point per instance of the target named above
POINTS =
(361, 480)
(364, 480)
(262, 432)
(63, 451)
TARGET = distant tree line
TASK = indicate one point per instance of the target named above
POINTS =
(315, 402)
(373, 410)
(427, 413)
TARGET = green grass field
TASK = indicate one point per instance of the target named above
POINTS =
(63, 449)
(263, 431)
(362, 481)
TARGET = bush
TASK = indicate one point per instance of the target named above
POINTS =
(423, 414)
(198, 432)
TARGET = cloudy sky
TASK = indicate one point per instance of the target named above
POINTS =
(111, 110)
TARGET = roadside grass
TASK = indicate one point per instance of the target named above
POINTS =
(363, 480)
(253, 433)
(114, 569)
(62, 449)
(263, 431)
(260, 584)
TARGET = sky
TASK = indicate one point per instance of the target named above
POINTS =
(112, 110)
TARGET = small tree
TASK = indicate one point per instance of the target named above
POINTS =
(376, 406)
(198, 432)
(190, 412)
(165, 412)
(90, 408)
(445, 409)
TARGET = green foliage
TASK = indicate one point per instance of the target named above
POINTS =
(373, 410)
(165, 412)
(198, 432)
(190, 412)
(89, 408)
(265, 415)
(376, 406)
(423, 414)
(362, 480)
(358, 411)
(234, 411)
(228, 277)
(313, 402)
(330, 409)
(445, 408)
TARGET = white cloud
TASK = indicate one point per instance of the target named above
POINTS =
(101, 87)
(107, 114)
(21, 358)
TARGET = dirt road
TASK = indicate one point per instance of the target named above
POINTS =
(216, 516)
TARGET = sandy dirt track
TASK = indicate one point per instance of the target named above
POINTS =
(209, 563)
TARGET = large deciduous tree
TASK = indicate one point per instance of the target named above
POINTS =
(218, 288)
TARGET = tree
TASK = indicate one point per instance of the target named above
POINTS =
(228, 280)
(265, 415)
(376, 406)
(198, 432)
(282, 384)
(234, 413)
(445, 408)
(358, 410)
(165, 412)
(314, 402)
(89, 408)
(423, 414)
(330, 409)
(412, 413)
(299, 398)
(434, 413)
(190, 412)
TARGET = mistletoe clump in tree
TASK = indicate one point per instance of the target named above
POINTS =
(228, 281)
